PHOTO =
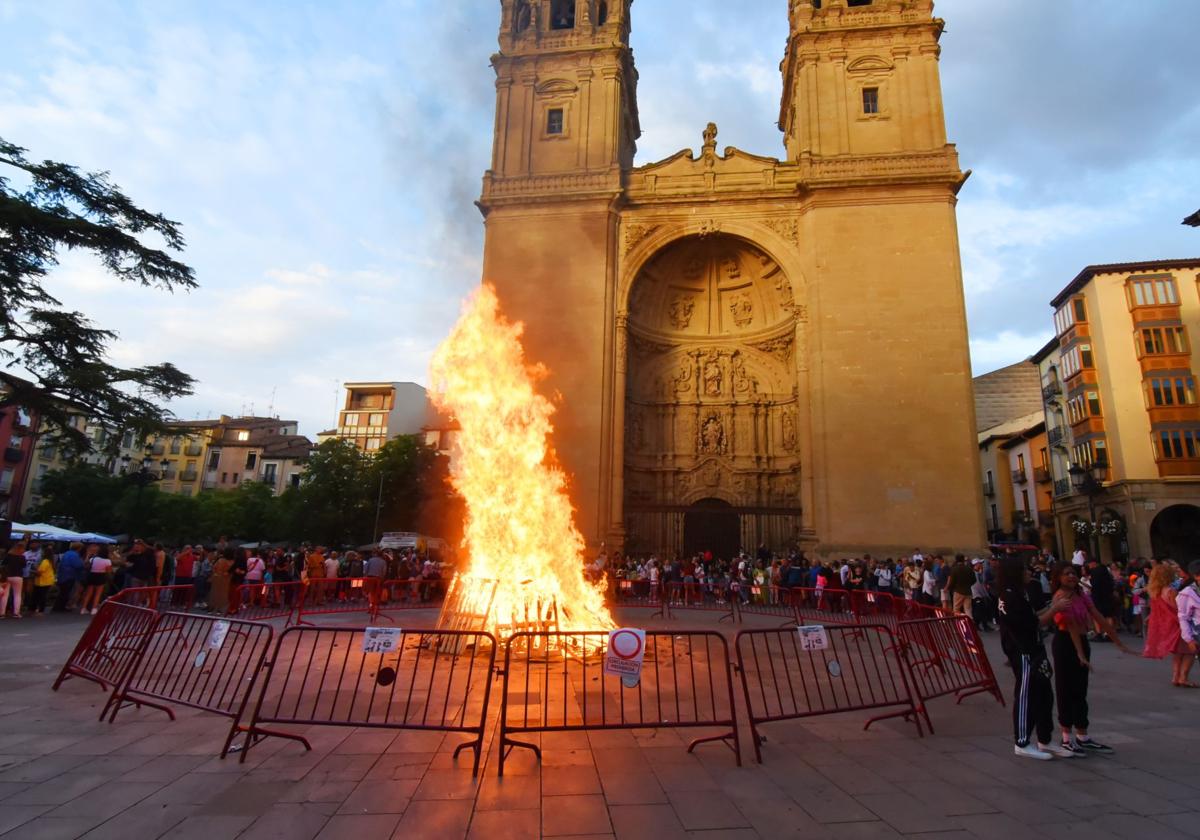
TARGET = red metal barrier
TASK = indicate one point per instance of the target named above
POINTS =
(161, 598)
(555, 681)
(109, 645)
(712, 597)
(437, 680)
(874, 608)
(783, 678)
(198, 661)
(773, 601)
(822, 606)
(633, 594)
(330, 596)
(945, 656)
(412, 594)
(265, 601)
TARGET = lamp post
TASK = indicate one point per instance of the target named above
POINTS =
(1090, 482)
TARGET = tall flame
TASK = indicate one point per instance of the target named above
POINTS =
(519, 529)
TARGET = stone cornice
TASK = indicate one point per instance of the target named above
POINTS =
(571, 186)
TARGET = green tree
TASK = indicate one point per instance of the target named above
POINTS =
(82, 493)
(336, 500)
(58, 207)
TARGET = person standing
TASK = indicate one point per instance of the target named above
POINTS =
(1188, 604)
(1103, 593)
(70, 573)
(12, 579)
(1075, 608)
(959, 583)
(185, 567)
(1164, 630)
(1020, 637)
(43, 580)
(97, 566)
(140, 566)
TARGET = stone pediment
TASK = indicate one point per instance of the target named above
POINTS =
(685, 162)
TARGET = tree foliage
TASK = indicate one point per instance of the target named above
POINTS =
(64, 353)
(335, 504)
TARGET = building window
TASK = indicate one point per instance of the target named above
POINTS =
(870, 98)
(127, 441)
(350, 420)
(1157, 341)
(372, 444)
(1076, 359)
(376, 420)
(1025, 501)
(185, 490)
(1152, 291)
(1093, 404)
(6, 479)
(1066, 316)
(554, 121)
(1177, 443)
(175, 446)
(562, 14)
(1091, 452)
(236, 476)
(991, 482)
(243, 435)
(1171, 390)
(224, 478)
(995, 519)
(251, 460)
(269, 473)
(214, 460)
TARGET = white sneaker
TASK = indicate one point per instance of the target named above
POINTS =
(1031, 751)
(1059, 751)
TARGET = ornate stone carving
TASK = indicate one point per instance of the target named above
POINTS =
(635, 233)
(681, 310)
(711, 438)
(712, 374)
(787, 300)
(693, 269)
(709, 151)
(789, 229)
(711, 474)
(683, 379)
(789, 431)
(743, 383)
(709, 227)
(780, 348)
(635, 434)
(646, 347)
(742, 308)
(730, 267)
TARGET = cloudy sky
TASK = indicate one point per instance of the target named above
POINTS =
(323, 159)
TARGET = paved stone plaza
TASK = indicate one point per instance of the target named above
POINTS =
(64, 775)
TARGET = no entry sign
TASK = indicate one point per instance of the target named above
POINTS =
(623, 658)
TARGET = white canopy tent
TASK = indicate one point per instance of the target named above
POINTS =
(53, 533)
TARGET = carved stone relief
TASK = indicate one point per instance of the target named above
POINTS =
(789, 229)
(635, 233)
(789, 431)
(712, 374)
(682, 307)
(780, 348)
(742, 309)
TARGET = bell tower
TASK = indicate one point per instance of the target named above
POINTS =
(566, 130)
(565, 89)
(860, 77)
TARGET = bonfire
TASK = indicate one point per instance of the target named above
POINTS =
(525, 557)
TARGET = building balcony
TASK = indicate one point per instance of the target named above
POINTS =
(1051, 390)
(167, 475)
(157, 449)
(1155, 314)
(1156, 362)
(210, 481)
(1176, 467)
(188, 475)
(1019, 476)
(1042, 475)
(1088, 425)
(1056, 436)
(1062, 487)
(193, 449)
(989, 489)
(1174, 413)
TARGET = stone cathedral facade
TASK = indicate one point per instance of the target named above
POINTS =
(746, 349)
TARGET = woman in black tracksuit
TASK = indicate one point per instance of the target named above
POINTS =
(1033, 700)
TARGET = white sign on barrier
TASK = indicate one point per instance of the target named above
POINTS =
(625, 653)
(813, 637)
(382, 639)
(216, 638)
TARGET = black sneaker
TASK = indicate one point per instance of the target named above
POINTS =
(1074, 749)
(1093, 746)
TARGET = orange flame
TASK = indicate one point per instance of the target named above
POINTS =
(519, 529)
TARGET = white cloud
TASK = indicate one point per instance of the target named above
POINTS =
(1005, 348)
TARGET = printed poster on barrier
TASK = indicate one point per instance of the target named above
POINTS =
(216, 638)
(624, 655)
(382, 639)
(813, 638)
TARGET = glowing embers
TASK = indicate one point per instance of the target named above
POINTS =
(525, 556)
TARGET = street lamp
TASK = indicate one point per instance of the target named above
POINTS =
(1089, 481)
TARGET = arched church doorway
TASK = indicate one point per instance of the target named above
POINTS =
(1175, 533)
(711, 398)
(711, 525)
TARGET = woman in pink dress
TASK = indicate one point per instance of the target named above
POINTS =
(1163, 637)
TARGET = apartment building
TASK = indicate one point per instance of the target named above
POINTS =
(1119, 389)
(376, 412)
(113, 451)
(236, 450)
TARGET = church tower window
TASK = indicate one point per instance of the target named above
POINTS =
(562, 14)
(554, 121)
(870, 100)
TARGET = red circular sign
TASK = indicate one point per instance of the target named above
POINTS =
(625, 644)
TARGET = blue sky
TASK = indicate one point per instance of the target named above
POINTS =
(323, 159)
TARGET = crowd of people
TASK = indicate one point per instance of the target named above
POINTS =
(38, 577)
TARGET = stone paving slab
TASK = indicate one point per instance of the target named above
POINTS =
(64, 775)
